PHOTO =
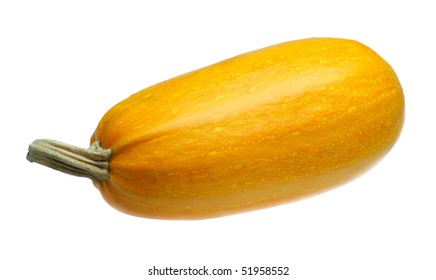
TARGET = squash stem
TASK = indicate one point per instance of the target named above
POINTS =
(92, 163)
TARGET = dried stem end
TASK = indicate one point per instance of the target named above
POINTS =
(92, 163)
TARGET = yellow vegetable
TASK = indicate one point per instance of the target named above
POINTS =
(260, 129)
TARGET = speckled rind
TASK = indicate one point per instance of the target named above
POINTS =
(260, 129)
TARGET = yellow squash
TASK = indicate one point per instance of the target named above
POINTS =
(260, 129)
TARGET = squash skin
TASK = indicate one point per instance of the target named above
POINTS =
(260, 129)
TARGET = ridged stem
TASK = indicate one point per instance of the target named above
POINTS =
(92, 163)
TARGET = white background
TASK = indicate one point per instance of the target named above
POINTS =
(63, 64)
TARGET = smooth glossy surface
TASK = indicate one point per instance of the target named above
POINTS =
(257, 130)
